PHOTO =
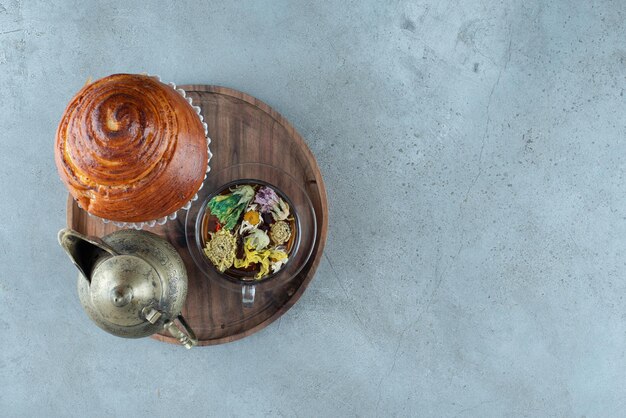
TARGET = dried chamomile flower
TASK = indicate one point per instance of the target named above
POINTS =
(251, 219)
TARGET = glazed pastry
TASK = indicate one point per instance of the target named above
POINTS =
(131, 149)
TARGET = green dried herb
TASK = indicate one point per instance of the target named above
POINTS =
(228, 208)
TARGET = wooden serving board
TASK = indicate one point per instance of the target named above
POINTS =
(242, 130)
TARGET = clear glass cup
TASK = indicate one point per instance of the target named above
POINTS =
(298, 200)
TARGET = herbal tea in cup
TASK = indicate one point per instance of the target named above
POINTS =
(248, 231)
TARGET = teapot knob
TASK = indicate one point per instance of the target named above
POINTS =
(121, 295)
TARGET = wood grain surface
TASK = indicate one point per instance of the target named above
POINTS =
(242, 130)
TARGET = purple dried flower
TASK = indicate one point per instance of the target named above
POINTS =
(266, 198)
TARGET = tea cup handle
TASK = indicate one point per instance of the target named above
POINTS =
(186, 338)
(247, 295)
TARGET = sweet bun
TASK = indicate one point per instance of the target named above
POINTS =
(131, 149)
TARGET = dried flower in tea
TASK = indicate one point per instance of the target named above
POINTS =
(251, 219)
(264, 258)
(228, 208)
(258, 239)
(266, 198)
(252, 229)
(221, 249)
(280, 211)
(278, 264)
(280, 232)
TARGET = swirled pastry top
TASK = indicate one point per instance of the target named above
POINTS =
(130, 148)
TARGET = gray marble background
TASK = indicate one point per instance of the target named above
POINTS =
(474, 159)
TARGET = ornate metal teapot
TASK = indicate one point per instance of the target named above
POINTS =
(131, 283)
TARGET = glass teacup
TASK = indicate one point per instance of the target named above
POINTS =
(304, 226)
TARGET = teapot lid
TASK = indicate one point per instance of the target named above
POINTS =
(122, 286)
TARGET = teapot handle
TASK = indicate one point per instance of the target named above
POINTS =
(186, 338)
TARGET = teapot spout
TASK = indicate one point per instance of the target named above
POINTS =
(83, 251)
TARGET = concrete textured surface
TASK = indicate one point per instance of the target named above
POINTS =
(474, 159)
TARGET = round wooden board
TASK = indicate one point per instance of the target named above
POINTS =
(242, 130)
